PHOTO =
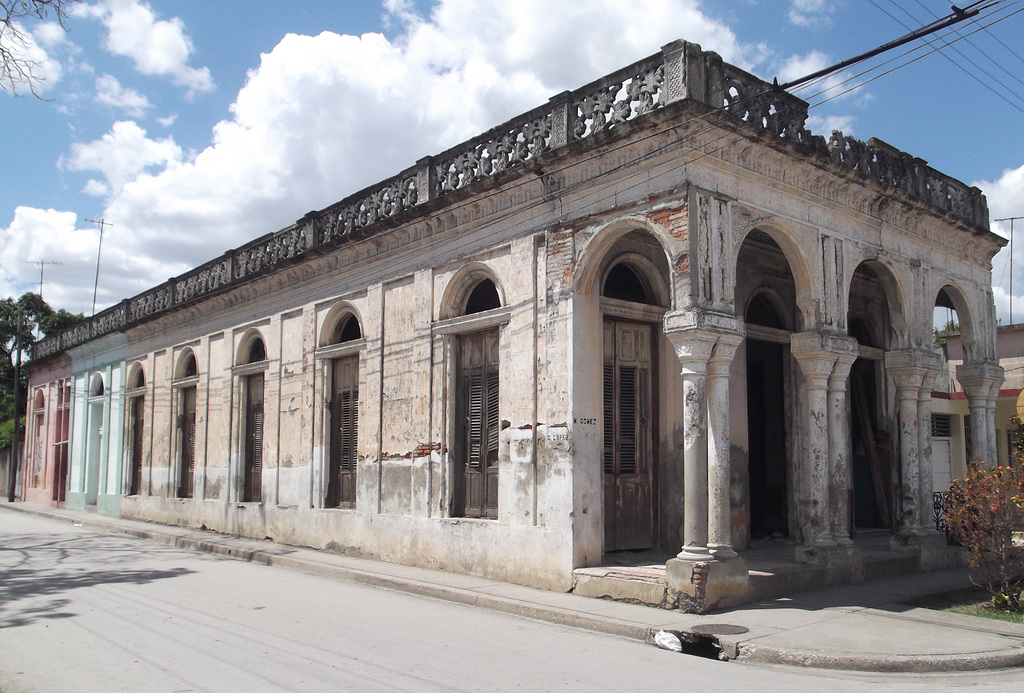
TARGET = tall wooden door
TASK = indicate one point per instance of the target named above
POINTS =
(252, 482)
(628, 457)
(137, 423)
(476, 473)
(341, 472)
(187, 436)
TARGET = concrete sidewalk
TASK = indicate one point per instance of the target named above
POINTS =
(858, 627)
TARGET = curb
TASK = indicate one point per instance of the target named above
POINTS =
(549, 614)
(886, 664)
(740, 650)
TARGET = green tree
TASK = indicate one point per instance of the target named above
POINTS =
(37, 317)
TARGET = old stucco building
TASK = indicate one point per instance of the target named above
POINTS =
(655, 312)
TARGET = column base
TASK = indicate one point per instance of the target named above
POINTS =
(698, 587)
(843, 564)
(933, 551)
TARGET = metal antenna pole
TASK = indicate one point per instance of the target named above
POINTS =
(15, 462)
(1011, 220)
(102, 223)
(42, 264)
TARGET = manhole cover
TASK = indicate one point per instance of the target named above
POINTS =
(718, 629)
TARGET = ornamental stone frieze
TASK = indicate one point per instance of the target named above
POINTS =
(681, 76)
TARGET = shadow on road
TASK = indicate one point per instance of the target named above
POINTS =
(37, 569)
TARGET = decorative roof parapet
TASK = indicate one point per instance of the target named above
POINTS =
(681, 71)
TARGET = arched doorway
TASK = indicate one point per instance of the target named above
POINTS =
(631, 280)
(766, 291)
(478, 362)
(874, 468)
(766, 423)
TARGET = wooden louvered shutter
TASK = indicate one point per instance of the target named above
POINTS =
(627, 448)
(187, 424)
(138, 409)
(341, 482)
(253, 482)
(477, 492)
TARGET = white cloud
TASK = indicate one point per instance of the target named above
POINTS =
(826, 92)
(110, 92)
(39, 71)
(158, 47)
(323, 116)
(121, 155)
(1006, 200)
(824, 125)
(46, 234)
(167, 121)
(810, 12)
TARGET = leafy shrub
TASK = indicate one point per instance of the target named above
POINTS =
(985, 512)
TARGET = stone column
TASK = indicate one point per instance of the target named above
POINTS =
(990, 424)
(840, 476)
(707, 573)
(924, 416)
(816, 364)
(978, 381)
(719, 476)
(694, 350)
(914, 373)
(907, 371)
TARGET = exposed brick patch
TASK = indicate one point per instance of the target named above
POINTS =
(683, 263)
(674, 219)
(422, 450)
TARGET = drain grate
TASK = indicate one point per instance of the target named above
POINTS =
(718, 629)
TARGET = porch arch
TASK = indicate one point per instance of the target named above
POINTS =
(802, 269)
(594, 261)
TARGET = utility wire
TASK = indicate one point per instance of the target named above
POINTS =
(979, 48)
(903, 55)
(978, 67)
(923, 55)
(958, 16)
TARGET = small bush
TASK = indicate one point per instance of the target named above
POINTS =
(984, 511)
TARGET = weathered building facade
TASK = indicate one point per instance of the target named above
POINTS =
(656, 312)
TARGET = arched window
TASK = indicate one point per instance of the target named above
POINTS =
(257, 351)
(762, 311)
(187, 366)
(624, 284)
(96, 386)
(138, 378)
(347, 330)
(484, 296)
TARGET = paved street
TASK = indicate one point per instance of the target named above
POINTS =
(87, 611)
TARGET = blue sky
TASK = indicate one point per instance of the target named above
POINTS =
(194, 126)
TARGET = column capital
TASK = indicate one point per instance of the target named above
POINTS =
(910, 368)
(699, 336)
(702, 320)
(980, 378)
(818, 352)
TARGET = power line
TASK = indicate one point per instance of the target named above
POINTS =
(911, 61)
(958, 16)
(980, 50)
(978, 67)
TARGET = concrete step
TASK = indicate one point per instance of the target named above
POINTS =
(637, 585)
